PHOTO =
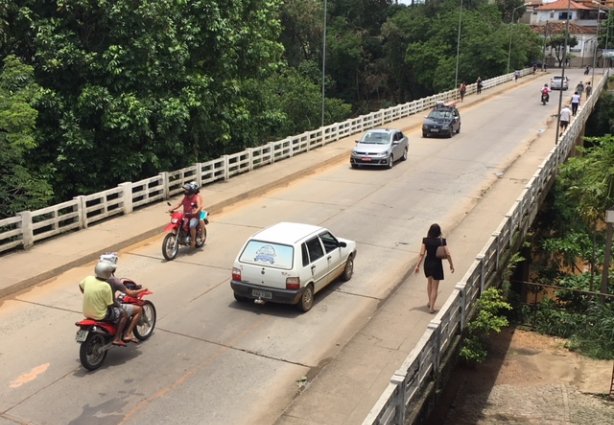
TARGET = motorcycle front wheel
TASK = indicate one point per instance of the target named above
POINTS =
(170, 246)
(146, 325)
(92, 352)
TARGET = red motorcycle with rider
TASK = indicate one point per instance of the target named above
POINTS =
(98, 334)
(187, 227)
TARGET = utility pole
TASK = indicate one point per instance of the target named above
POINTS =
(545, 38)
(558, 114)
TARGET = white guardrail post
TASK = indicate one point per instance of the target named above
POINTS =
(126, 196)
(81, 211)
(27, 232)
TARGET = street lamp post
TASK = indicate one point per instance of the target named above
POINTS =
(323, 64)
(558, 114)
(597, 44)
(545, 39)
(509, 48)
(460, 20)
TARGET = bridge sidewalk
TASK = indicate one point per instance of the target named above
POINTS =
(46, 259)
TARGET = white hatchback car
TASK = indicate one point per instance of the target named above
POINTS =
(290, 262)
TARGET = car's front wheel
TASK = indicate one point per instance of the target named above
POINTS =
(390, 162)
(348, 270)
(404, 157)
(450, 131)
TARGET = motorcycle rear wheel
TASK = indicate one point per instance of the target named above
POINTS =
(201, 237)
(144, 329)
(92, 353)
(170, 246)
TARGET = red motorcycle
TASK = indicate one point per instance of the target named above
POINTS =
(179, 234)
(96, 337)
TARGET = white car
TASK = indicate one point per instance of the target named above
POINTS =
(290, 262)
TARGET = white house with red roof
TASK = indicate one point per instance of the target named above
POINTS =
(550, 17)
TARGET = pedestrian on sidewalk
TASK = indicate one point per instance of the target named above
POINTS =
(575, 102)
(565, 117)
(433, 266)
(462, 89)
(588, 89)
(478, 84)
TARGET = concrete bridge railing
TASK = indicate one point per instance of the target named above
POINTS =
(28, 227)
(411, 387)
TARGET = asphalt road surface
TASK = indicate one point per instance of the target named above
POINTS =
(214, 361)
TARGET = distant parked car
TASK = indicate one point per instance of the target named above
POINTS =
(380, 147)
(443, 120)
(558, 83)
(289, 263)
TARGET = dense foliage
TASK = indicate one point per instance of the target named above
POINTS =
(568, 245)
(121, 90)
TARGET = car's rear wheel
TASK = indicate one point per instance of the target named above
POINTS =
(306, 301)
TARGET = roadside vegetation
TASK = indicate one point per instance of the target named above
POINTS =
(97, 93)
(567, 295)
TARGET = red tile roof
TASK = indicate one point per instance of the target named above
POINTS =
(564, 4)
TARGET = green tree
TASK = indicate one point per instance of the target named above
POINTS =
(130, 89)
(557, 42)
(21, 187)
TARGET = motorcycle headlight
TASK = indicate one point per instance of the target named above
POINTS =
(174, 221)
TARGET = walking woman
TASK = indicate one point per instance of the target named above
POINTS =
(433, 266)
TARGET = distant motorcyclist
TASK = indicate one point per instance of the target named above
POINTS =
(192, 207)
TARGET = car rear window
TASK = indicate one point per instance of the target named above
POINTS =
(262, 253)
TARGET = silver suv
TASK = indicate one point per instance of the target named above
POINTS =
(380, 147)
(558, 83)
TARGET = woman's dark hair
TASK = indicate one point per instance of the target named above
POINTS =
(434, 231)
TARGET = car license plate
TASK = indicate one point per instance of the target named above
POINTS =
(366, 159)
(82, 335)
(435, 130)
(262, 294)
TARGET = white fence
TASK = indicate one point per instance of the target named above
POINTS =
(410, 382)
(28, 227)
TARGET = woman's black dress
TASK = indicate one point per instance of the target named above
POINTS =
(433, 266)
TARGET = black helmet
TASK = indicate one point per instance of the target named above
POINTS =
(191, 188)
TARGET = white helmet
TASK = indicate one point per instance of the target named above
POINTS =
(110, 257)
(104, 270)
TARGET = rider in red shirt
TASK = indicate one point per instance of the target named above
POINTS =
(192, 206)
